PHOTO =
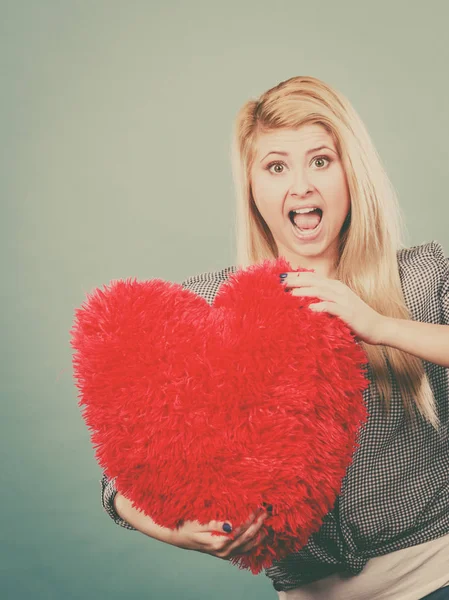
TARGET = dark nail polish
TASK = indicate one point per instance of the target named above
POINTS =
(282, 275)
(227, 527)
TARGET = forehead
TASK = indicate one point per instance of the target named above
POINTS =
(302, 138)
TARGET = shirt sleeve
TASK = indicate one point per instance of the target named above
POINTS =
(443, 267)
(108, 493)
(108, 489)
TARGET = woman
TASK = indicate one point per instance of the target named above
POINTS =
(311, 188)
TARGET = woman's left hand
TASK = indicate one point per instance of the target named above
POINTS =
(340, 300)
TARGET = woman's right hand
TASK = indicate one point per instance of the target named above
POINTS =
(193, 536)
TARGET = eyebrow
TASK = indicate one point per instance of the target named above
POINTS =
(307, 153)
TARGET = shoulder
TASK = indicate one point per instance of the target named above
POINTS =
(426, 261)
(427, 254)
(207, 284)
(424, 273)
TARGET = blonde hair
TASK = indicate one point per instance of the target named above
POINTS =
(371, 235)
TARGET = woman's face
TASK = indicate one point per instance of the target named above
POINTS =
(289, 172)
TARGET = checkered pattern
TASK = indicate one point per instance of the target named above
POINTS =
(396, 491)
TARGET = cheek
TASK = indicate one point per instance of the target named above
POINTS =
(267, 206)
(267, 190)
(264, 196)
(335, 191)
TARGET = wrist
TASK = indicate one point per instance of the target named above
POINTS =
(386, 331)
(171, 536)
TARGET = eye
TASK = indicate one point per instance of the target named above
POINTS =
(282, 164)
(329, 160)
(274, 163)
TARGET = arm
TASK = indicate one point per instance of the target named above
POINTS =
(140, 521)
(425, 340)
(124, 514)
(192, 535)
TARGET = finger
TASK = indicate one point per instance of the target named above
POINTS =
(261, 535)
(254, 527)
(235, 550)
(247, 535)
(314, 293)
(310, 291)
(301, 277)
(217, 526)
(213, 544)
(329, 307)
(244, 526)
(222, 547)
(309, 280)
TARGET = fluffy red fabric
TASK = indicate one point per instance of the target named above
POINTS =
(205, 412)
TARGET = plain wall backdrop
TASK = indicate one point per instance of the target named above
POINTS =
(116, 121)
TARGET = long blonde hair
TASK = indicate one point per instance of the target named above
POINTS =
(371, 235)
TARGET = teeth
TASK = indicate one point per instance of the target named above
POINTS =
(302, 211)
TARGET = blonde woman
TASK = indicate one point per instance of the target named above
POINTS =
(311, 188)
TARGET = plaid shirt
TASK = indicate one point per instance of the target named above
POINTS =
(395, 493)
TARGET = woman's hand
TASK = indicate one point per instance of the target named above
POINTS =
(340, 300)
(193, 536)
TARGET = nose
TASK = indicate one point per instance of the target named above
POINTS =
(300, 185)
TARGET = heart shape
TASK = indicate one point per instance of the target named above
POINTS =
(204, 412)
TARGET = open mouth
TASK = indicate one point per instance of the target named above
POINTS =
(307, 222)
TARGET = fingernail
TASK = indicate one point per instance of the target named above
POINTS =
(227, 527)
(282, 275)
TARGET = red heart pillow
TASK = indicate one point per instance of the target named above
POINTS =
(204, 412)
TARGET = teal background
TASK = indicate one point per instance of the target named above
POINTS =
(115, 120)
